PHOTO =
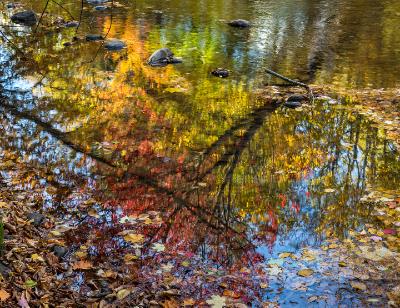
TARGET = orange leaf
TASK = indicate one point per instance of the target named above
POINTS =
(4, 295)
(83, 265)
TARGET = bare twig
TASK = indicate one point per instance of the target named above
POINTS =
(41, 15)
(294, 82)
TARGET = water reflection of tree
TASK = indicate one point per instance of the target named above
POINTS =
(242, 171)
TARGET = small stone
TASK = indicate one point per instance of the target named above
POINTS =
(239, 23)
(27, 18)
(114, 45)
(97, 2)
(296, 98)
(60, 251)
(101, 8)
(94, 37)
(71, 24)
(37, 218)
(220, 72)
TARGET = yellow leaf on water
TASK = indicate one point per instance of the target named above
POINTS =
(263, 285)
(358, 285)
(123, 293)
(189, 302)
(217, 301)
(36, 257)
(305, 272)
(284, 255)
(4, 295)
(134, 238)
(81, 254)
(130, 257)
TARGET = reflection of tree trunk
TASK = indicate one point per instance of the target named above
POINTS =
(201, 213)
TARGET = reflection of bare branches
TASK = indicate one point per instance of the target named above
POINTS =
(107, 33)
(41, 16)
(80, 18)
(254, 120)
(201, 213)
(63, 8)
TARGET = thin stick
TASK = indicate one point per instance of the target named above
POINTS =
(297, 83)
(294, 82)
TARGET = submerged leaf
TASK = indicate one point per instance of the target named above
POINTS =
(305, 272)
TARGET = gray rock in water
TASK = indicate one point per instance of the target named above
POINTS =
(37, 218)
(220, 72)
(163, 57)
(27, 18)
(60, 251)
(114, 45)
(292, 104)
(97, 2)
(94, 37)
(297, 98)
(101, 8)
(239, 23)
(71, 24)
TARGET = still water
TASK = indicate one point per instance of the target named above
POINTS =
(174, 138)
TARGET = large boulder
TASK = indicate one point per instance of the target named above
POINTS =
(26, 18)
(162, 57)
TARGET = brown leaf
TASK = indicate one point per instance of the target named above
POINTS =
(83, 265)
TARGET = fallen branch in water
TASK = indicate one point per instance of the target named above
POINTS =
(293, 82)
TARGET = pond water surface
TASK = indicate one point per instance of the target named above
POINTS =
(205, 152)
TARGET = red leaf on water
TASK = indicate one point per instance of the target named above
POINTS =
(389, 231)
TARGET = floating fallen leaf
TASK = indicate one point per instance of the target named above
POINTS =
(93, 213)
(4, 295)
(305, 272)
(158, 247)
(376, 238)
(342, 264)
(29, 283)
(329, 190)
(121, 294)
(167, 267)
(82, 265)
(390, 231)
(358, 285)
(217, 301)
(374, 254)
(185, 263)
(230, 293)
(36, 257)
(134, 238)
(263, 285)
(189, 302)
(284, 255)
(130, 257)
